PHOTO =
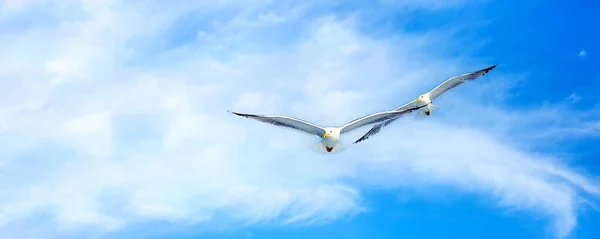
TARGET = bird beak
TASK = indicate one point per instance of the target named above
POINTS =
(326, 135)
(419, 99)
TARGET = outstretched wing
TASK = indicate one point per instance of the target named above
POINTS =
(288, 122)
(378, 127)
(376, 118)
(409, 105)
(456, 81)
(375, 130)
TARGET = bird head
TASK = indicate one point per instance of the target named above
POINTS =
(424, 98)
(331, 133)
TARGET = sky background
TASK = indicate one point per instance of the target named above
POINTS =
(113, 120)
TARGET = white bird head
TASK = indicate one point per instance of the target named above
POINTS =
(332, 134)
(424, 98)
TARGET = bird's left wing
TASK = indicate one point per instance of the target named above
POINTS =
(288, 122)
(410, 106)
(456, 81)
(375, 130)
(376, 118)
(378, 127)
(407, 106)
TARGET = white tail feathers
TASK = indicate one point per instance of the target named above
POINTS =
(420, 115)
(319, 147)
(434, 108)
(426, 111)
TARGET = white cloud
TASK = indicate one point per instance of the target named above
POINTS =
(138, 136)
(476, 162)
(582, 53)
(574, 98)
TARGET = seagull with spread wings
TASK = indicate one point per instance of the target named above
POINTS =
(330, 136)
(424, 101)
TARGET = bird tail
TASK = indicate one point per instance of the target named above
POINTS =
(434, 108)
(422, 113)
(319, 147)
(338, 147)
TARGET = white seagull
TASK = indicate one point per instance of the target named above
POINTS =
(424, 101)
(330, 135)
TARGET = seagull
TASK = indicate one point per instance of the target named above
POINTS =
(424, 101)
(330, 136)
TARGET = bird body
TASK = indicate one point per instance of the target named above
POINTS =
(425, 99)
(331, 138)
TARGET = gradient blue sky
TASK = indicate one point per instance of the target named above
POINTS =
(113, 119)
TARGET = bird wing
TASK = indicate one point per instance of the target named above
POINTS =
(409, 105)
(375, 118)
(286, 121)
(456, 81)
(375, 130)
(378, 127)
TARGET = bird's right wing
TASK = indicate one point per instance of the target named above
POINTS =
(409, 105)
(378, 127)
(286, 121)
(380, 117)
(456, 81)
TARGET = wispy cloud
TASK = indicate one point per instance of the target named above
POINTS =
(574, 98)
(583, 53)
(123, 119)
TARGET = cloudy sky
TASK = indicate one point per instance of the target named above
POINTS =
(113, 120)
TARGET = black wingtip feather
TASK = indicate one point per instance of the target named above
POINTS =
(359, 140)
(490, 68)
(240, 114)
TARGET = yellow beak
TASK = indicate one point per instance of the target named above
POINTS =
(326, 135)
(419, 99)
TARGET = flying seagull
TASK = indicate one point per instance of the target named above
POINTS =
(424, 101)
(330, 135)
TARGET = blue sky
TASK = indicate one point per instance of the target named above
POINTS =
(113, 119)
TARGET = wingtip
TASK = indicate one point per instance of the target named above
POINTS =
(241, 114)
(486, 70)
(360, 140)
(233, 112)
